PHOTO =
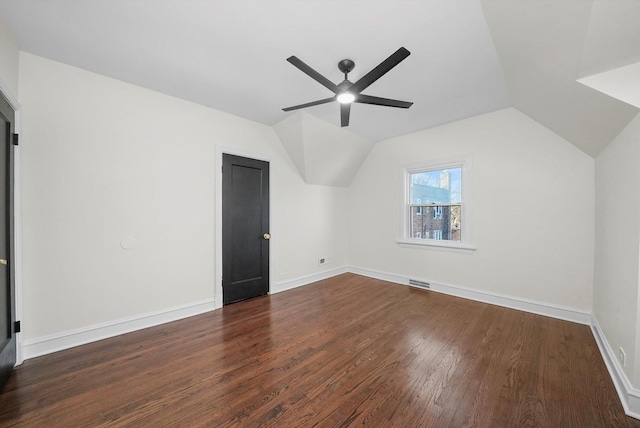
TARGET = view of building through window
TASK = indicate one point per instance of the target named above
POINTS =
(435, 208)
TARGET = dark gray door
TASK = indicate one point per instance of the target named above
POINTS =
(7, 294)
(245, 228)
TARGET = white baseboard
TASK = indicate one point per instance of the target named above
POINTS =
(541, 308)
(69, 339)
(308, 279)
(32, 348)
(629, 396)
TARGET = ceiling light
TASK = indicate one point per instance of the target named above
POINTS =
(346, 98)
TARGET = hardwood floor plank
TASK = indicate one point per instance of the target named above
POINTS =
(347, 351)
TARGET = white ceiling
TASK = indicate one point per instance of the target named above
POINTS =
(323, 154)
(542, 46)
(467, 57)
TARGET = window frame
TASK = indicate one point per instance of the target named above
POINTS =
(466, 235)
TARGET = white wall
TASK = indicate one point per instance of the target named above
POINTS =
(616, 297)
(103, 160)
(8, 60)
(533, 219)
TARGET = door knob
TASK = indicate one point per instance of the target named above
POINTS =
(266, 236)
(3, 262)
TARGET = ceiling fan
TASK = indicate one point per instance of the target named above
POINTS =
(347, 92)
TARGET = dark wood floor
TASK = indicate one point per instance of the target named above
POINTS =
(348, 351)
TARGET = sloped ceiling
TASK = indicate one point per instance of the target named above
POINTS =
(613, 37)
(467, 57)
(611, 57)
(541, 45)
(622, 83)
(323, 153)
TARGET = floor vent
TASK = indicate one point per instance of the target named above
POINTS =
(420, 284)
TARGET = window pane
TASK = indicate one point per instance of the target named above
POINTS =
(437, 187)
(436, 222)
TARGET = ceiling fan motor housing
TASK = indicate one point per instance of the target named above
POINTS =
(346, 65)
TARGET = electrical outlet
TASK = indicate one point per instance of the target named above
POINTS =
(621, 356)
(323, 261)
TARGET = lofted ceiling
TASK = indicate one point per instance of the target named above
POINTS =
(467, 57)
(544, 46)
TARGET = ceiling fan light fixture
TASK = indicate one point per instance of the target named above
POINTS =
(346, 98)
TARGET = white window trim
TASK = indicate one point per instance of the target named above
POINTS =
(466, 242)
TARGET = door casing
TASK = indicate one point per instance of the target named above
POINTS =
(9, 349)
(17, 217)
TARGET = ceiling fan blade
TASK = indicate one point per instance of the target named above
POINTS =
(313, 74)
(380, 70)
(368, 99)
(312, 103)
(345, 109)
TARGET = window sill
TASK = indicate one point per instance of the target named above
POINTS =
(435, 244)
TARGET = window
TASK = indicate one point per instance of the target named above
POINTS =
(437, 204)
(438, 192)
(437, 212)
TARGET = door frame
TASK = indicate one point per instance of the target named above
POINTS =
(17, 218)
(220, 151)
